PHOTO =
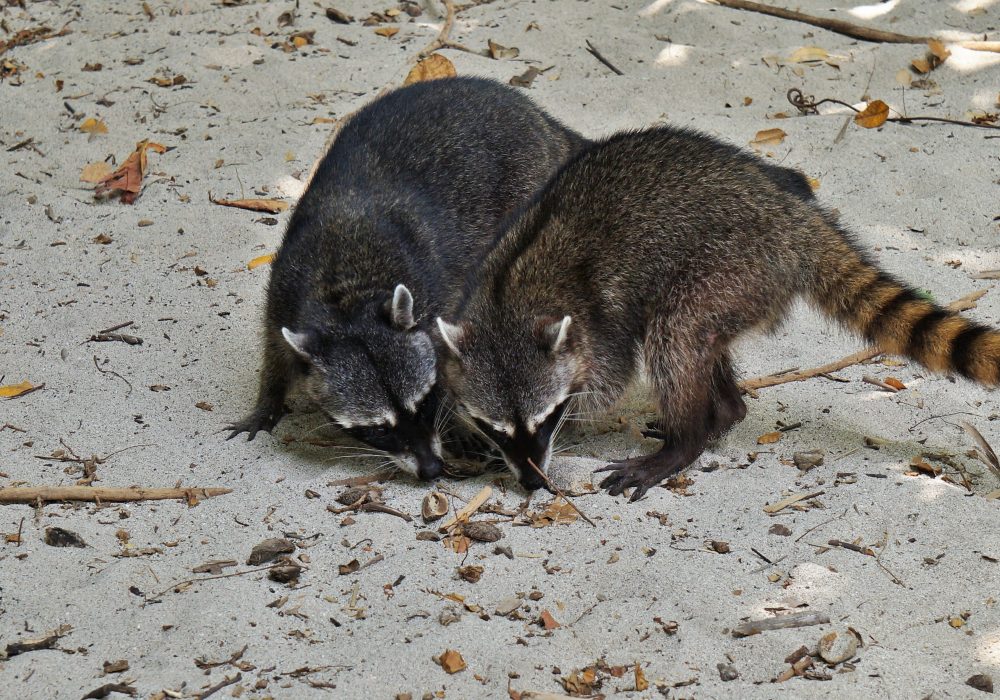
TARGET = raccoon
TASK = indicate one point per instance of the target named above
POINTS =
(410, 194)
(659, 248)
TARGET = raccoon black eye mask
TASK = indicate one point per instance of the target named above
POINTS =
(658, 249)
(407, 199)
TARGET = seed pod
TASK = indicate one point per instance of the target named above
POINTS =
(482, 532)
(434, 506)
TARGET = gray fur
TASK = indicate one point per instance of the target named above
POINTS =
(409, 196)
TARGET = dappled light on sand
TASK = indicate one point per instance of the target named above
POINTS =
(654, 7)
(989, 649)
(932, 489)
(288, 186)
(673, 55)
(973, 5)
(873, 11)
(966, 60)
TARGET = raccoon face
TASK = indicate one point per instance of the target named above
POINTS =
(513, 386)
(374, 376)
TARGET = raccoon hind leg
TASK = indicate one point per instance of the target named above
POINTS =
(728, 406)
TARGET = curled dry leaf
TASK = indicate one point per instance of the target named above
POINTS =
(497, 51)
(128, 178)
(641, 683)
(873, 115)
(547, 621)
(434, 506)
(261, 260)
(895, 383)
(387, 31)
(9, 391)
(431, 68)
(270, 206)
(451, 661)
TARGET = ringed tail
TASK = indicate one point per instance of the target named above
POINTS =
(896, 318)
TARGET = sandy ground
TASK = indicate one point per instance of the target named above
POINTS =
(647, 585)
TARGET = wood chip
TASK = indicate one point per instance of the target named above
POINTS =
(789, 500)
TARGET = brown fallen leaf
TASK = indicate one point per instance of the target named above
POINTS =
(204, 405)
(769, 438)
(548, 622)
(894, 383)
(387, 31)
(498, 52)
(920, 465)
(270, 206)
(768, 137)
(323, 120)
(938, 50)
(128, 178)
(873, 115)
(921, 65)
(641, 683)
(167, 80)
(9, 391)
(266, 259)
(451, 661)
(431, 68)
(91, 125)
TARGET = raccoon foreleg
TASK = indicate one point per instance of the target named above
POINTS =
(276, 377)
(694, 385)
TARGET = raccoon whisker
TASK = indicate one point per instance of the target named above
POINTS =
(320, 427)
(355, 455)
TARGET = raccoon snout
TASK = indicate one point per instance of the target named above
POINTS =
(531, 480)
(430, 467)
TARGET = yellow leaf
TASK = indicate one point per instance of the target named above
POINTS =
(768, 137)
(921, 65)
(808, 53)
(641, 683)
(895, 383)
(95, 172)
(270, 206)
(323, 120)
(768, 438)
(387, 31)
(813, 183)
(9, 391)
(872, 116)
(260, 260)
(431, 68)
(93, 126)
(299, 41)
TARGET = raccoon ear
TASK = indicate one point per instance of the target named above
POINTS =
(298, 342)
(553, 332)
(452, 334)
(401, 310)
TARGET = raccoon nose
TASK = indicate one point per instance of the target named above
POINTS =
(531, 480)
(429, 467)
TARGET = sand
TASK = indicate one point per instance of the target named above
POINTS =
(651, 584)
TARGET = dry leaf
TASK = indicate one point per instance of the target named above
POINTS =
(324, 120)
(128, 178)
(903, 77)
(769, 438)
(497, 51)
(938, 50)
(451, 661)
(549, 622)
(768, 137)
(431, 68)
(271, 206)
(895, 383)
(91, 125)
(387, 31)
(9, 391)
(808, 53)
(921, 465)
(167, 81)
(95, 172)
(261, 260)
(921, 65)
(641, 683)
(873, 115)
(459, 544)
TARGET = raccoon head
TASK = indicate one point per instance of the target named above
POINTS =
(514, 384)
(374, 376)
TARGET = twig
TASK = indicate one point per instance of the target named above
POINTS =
(442, 40)
(851, 546)
(116, 328)
(875, 381)
(560, 493)
(592, 50)
(468, 509)
(94, 494)
(808, 105)
(220, 685)
(801, 619)
(838, 26)
(382, 508)
(162, 593)
(112, 372)
(750, 385)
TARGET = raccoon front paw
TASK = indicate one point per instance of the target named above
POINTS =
(643, 473)
(260, 420)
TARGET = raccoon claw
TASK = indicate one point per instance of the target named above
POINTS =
(254, 423)
(642, 473)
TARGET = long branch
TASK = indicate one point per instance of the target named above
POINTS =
(47, 494)
(839, 26)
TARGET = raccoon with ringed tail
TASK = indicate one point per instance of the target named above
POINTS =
(658, 248)
(410, 194)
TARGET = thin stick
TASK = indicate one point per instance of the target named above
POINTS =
(875, 381)
(220, 685)
(442, 40)
(749, 385)
(808, 105)
(116, 328)
(560, 493)
(468, 509)
(162, 593)
(592, 50)
(837, 26)
(94, 494)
